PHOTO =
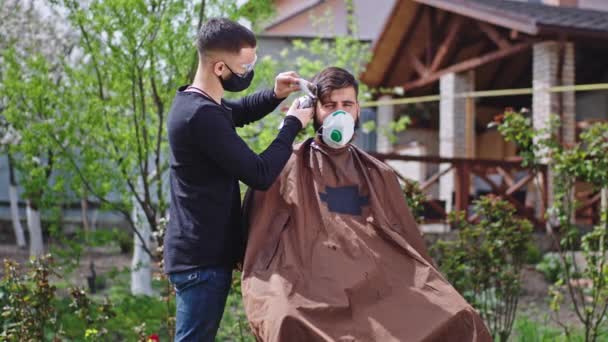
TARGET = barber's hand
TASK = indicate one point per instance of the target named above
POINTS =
(286, 83)
(304, 114)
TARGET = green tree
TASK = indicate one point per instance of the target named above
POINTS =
(135, 54)
(9, 137)
(32, 116)
(30, 71)
(586, 161)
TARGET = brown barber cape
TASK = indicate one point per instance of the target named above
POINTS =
(334, 254)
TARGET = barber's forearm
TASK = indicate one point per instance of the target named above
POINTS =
(267, 103)
(272, 161)
(254, 107)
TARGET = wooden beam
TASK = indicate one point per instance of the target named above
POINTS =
(400, 176)
(448, 43)
(494, 35)
(511, 72)
(433, 204)
(427, 183)
(497, 189)
(460, 7)
(417, 64)
(517, 186)
(468, 64)
(589, 203)
(404, 39)
(441, 20)
(430, 36)
(385, 47)
(506, 176)
(440, 17)
(463, 187)
(521, 208)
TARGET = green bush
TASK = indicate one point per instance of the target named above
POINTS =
(415, 198)
(33, 309)
(551, 267)
(533, 254)
(27, 302)
(125, 241)
(528, 330)
(485, 261)
(234, 326)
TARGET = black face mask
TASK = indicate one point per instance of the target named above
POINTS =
(236, 83)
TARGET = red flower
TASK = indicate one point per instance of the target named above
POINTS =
(153, 338)
(499, 119)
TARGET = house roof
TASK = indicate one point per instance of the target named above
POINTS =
(298, 18)
(530, 18)
(289, 13)
(553, 16)
(418, 44)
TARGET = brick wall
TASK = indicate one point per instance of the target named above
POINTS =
(546, 58)
(452, 125)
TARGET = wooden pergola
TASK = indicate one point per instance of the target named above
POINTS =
(424, 40)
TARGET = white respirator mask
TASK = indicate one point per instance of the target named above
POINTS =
(338, 129)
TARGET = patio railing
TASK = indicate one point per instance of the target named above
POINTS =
(506, 179)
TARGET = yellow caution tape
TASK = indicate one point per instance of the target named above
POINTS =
(487, 93)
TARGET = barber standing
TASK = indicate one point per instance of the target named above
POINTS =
(204, 238)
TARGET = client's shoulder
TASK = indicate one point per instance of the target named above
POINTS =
(373, 162)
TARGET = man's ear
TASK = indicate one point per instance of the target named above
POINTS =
(218, 68)
(358, 119)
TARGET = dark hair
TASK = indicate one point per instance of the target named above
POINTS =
(328, 80)
(332, 78)
(221, 34)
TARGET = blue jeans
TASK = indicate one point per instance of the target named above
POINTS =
(200, 299)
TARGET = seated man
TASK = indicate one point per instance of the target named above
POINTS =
(333, 251)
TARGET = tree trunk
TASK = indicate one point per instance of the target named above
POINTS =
(141, 271)
(84, 212)
(14, 200)
(19, 236)
(604, 205)
(35, 230)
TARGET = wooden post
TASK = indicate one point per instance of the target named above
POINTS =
(544, 188)
(463, 185)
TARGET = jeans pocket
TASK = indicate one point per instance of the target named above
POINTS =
(182, 281)
(214, 279)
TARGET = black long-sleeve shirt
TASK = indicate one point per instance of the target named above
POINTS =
(208, 159)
